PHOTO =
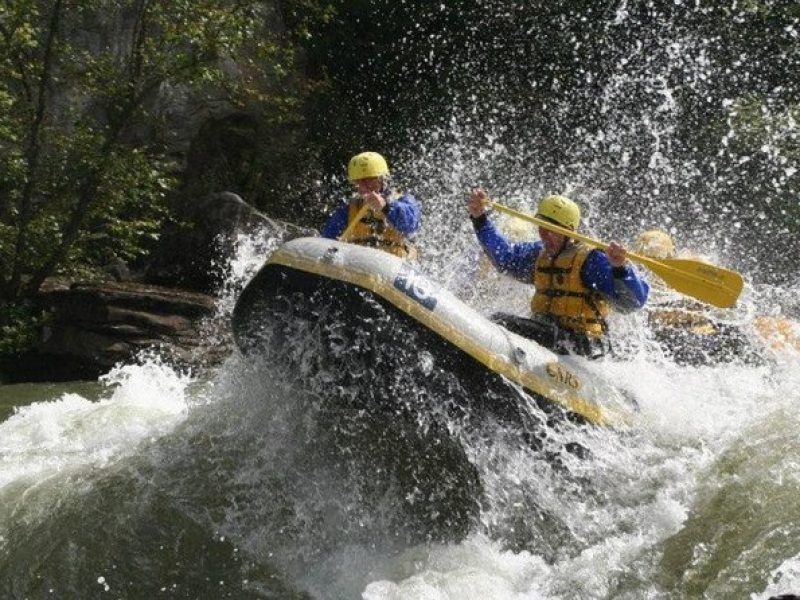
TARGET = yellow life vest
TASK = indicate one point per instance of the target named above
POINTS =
(560, 292)
(374, 230)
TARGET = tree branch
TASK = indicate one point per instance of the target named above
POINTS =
(34, 152)
(87, 196)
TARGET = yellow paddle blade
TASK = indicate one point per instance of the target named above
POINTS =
(709, 283)
(703, 281)
(349, 230)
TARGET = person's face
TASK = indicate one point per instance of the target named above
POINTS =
(367, 185)
(553, 242)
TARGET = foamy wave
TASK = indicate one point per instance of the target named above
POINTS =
(139, 402)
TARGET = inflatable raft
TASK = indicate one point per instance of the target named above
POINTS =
(410, 388)
(407, 323)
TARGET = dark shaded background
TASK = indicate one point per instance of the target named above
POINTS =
(669, 114)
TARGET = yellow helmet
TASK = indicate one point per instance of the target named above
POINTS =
(365, 165)
(561, 210)
(655, 244)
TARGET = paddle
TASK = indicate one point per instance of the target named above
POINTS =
(703, 281)
(349, 230)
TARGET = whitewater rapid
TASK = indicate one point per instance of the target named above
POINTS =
(694, 499)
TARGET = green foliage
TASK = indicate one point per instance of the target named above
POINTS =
(20, 323)
(79, 81)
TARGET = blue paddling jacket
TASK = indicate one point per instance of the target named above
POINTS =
(402, 212)
(621, 287)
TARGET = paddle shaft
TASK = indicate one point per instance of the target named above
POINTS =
(567, 232)
(349, 229)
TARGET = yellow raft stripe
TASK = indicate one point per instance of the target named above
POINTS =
(586, 408)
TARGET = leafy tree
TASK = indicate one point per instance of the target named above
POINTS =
(80, 80)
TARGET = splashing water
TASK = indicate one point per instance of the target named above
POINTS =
(46, 439)
(223, 477)
(221, 485)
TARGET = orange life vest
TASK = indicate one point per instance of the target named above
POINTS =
(374, 230)
(560, 292)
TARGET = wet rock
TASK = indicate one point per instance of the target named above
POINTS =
(95, 326)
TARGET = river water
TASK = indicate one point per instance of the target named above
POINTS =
(156, 483)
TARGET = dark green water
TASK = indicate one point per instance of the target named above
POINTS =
(26, 393)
